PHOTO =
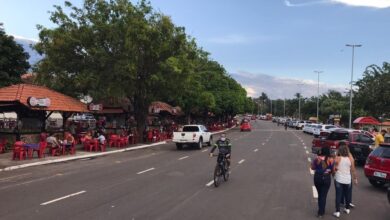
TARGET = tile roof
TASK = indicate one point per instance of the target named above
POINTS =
(59, 102)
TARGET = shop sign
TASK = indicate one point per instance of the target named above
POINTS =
(95, 107)
(38, 102)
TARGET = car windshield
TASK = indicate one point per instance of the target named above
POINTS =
(190, 128)
(336, 136)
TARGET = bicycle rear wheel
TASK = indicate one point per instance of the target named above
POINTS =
(217, 175)
(226, 174)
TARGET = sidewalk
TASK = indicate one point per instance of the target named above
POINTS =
(7, 164)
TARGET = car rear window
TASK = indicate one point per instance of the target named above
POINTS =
(383, 152)
(336, 136)
(191, 128)
(319, 126)
(329, 126)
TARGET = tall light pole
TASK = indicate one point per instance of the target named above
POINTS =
(299, 100)
(350, 95)
(318, 92)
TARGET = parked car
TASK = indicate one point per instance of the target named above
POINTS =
(309, 129)
(377, 167)
(245, 126)
(359, 144)
(319, 128)
(192, 135)
(300, 125)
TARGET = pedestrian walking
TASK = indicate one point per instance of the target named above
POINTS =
(344, 174)
(285, 126)
(323, 166)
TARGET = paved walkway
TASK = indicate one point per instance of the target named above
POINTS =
(6, 162)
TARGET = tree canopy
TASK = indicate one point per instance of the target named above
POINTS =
(13, 60)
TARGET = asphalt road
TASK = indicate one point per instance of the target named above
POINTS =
(270, 179)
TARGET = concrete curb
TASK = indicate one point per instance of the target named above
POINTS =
(60, 160)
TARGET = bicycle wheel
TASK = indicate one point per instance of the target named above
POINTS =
(226, 174)
(217, 175)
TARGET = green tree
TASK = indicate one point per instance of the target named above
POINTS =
(13, 60)
(114, 48)
(373, 90)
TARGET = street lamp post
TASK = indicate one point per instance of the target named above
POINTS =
(318, 92)
(350, 95)
(299, 100)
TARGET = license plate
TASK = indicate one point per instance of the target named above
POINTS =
(380, 174)
(183, 140)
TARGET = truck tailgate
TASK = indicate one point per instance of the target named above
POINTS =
(182, 137)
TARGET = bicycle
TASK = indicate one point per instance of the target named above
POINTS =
(221, 169)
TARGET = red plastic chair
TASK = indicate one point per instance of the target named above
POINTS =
(3, 143)
(41, 150)
(19, 151)
(113, 140)
(54, 150)
(92, 145)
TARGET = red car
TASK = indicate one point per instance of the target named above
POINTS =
(377, 168)
(245, 127)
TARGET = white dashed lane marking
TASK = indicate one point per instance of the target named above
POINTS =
(64, 197)
(307, 152)
(315, 193)
(311, 171)
(144, 171)
(309, 159)
(210, 183)
(204, 150)
(241, 161)
(182, 158)
(255, 150)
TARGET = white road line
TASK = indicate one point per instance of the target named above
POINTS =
(307, 152)
(311, 171)
(204, 150)
(210, 183)
(263, 143)
(11, 177)
(305, 147)
(241, 161)
(64, 197)
(182, 158)
(309, 159)
(146, 170)
(315, 193)
(255, 150)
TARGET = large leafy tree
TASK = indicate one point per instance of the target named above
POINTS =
(13, 60)
(114, 48)
(373, 90)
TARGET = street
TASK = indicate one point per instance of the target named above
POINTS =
(270, 179)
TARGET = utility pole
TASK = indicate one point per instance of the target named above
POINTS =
(351, 94)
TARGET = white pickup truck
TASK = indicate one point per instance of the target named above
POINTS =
(192, 135)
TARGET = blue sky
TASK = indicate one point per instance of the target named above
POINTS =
(282, 39)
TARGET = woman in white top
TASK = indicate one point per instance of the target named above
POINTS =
(344, 171)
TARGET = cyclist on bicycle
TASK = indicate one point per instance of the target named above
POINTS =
(224, 147)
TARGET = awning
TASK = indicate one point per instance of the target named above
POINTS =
(40, 98)
(366, 121)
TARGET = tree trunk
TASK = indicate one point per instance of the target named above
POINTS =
(141, 111)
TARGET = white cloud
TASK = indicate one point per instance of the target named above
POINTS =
(356, 3)
(365, 3)
(281, 87)
(24, 38)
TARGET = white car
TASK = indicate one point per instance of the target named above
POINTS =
(192, 135)
(319, 128)
(309, 128)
